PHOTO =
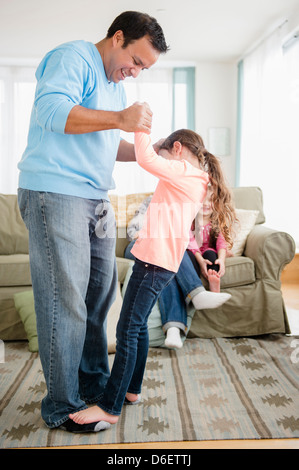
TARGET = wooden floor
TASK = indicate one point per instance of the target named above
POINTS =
(290, 290)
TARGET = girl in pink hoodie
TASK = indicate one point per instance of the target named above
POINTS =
(184, 168)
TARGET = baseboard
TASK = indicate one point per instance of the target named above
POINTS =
(290, 274)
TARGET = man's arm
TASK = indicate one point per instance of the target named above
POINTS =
(126, 152)
(137, 117)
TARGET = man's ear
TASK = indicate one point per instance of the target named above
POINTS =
(118, 38)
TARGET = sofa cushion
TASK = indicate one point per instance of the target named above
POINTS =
(14, 270)
(126, 206)
(24, 304)
(13, 233)
(239, 271)
(250, 198)
(244, 225)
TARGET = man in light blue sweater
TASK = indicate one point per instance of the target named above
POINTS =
(65, 175)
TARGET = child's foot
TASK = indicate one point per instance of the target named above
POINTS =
(91, 415)
(132, 399)
(214, 280)
(173, 338)
(207, 299)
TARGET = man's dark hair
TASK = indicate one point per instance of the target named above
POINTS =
(136, 25)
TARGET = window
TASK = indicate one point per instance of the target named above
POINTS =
(17, 86)
(170, 94)
(183, 98)
(269, 144)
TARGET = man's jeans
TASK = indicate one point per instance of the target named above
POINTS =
(74, 278)
(144, 287)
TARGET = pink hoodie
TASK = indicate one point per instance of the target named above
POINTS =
(164, 236)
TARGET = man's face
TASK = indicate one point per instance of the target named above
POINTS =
(128, 62)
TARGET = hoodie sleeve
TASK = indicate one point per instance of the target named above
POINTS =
(62, 79)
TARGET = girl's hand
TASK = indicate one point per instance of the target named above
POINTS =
(221, 264)
(203, 263)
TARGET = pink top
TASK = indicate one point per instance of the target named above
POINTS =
(164, 236)
(205, 236)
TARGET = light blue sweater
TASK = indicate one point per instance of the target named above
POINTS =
(78, 164)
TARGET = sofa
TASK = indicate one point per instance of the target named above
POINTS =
(252, 277)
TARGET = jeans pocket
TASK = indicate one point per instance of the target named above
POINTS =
(161, 278)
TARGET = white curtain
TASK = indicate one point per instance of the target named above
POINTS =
(17, 86)
(269, 155)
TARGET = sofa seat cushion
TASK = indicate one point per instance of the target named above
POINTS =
(14, 270)
(239, 271)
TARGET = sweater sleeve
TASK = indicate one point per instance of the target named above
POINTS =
(221, 243)
(61, 80)
(192, 245)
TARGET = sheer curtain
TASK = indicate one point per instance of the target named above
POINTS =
(17, 86)
(269, 150)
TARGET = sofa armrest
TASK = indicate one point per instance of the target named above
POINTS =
(123, 265)
(270, 250)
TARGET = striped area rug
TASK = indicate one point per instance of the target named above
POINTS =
(211, 389)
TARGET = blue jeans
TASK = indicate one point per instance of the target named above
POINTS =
(74, 278)
(179, 292)
(144, 288)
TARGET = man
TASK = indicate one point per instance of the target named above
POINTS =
(65, 174)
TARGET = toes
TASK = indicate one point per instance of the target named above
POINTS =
(77, 418)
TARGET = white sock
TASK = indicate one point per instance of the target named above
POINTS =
(207, 299)
(173, 338)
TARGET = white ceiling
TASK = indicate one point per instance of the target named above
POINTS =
(196, 30)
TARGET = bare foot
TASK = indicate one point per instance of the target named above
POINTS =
(92, 415)
(214, 281)
(132, 397)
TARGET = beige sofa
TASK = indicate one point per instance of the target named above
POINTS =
(253, 279)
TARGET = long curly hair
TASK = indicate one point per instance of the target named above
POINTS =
(224, 216)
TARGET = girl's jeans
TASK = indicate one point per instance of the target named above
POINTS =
(179, 292)
(144, 287)
(74, 278)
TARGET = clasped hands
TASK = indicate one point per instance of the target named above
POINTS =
(137, 118)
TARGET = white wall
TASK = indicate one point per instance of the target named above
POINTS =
(216, 106)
